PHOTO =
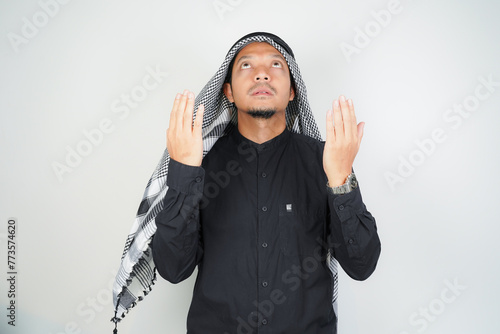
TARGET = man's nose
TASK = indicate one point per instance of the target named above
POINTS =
(261, 74)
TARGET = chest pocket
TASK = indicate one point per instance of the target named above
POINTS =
(300, 229)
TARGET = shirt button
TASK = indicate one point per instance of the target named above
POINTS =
(264, 175)
(264, 284)
(264, 208)
(350, 241)
(264, 244)
(198, 179)
(264, 322)
(341, 207)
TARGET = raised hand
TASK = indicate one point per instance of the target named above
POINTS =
(343, 138)
(184, 141)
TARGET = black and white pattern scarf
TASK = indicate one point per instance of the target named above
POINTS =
(137, 272)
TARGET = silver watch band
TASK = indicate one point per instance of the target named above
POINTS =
(350, 184)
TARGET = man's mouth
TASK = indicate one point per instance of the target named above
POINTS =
(262, 91)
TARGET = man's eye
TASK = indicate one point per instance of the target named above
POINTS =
(276, 64)
(245, 65)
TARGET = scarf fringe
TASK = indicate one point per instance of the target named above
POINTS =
(116, 319)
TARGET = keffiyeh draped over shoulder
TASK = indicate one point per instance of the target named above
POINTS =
(137, 272)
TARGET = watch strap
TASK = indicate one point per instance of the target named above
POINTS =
(350, 184)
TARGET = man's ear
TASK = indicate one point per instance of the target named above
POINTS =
(292, 94)
(228, 92)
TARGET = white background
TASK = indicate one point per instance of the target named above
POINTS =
(438, 221)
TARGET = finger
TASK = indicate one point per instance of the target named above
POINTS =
(337, 119)
(346, 116)
(180, 109)
(198, 121)
(188, 112)
(352, 117)
(173, 113)
(351, 111)
(330, 134)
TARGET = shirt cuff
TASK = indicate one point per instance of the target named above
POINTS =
(347, 204)
(183, 177)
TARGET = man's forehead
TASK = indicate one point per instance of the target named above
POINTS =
(256, 48)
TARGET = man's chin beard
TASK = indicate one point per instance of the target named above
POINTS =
(262, 113)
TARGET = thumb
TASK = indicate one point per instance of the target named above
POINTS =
(361, 127)
(198, 121)
(329, 125)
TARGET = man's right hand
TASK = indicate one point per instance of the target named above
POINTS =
(184, 141)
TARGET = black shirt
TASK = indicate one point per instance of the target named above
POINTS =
(258, 221)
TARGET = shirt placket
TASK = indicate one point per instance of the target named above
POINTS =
(263, 242)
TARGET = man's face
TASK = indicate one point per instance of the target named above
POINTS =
(260, 79)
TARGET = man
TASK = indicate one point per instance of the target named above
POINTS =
(265, 209)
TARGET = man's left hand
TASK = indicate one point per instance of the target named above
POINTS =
(343, 138)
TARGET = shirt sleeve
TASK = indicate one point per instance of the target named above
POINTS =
(177, 245)
(353, 234)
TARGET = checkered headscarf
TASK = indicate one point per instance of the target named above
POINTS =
(137, 271)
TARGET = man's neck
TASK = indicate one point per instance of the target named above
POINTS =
(260, 130)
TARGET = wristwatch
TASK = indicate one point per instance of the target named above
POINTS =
(350, 184)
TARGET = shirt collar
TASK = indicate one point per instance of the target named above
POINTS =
(270, 144)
